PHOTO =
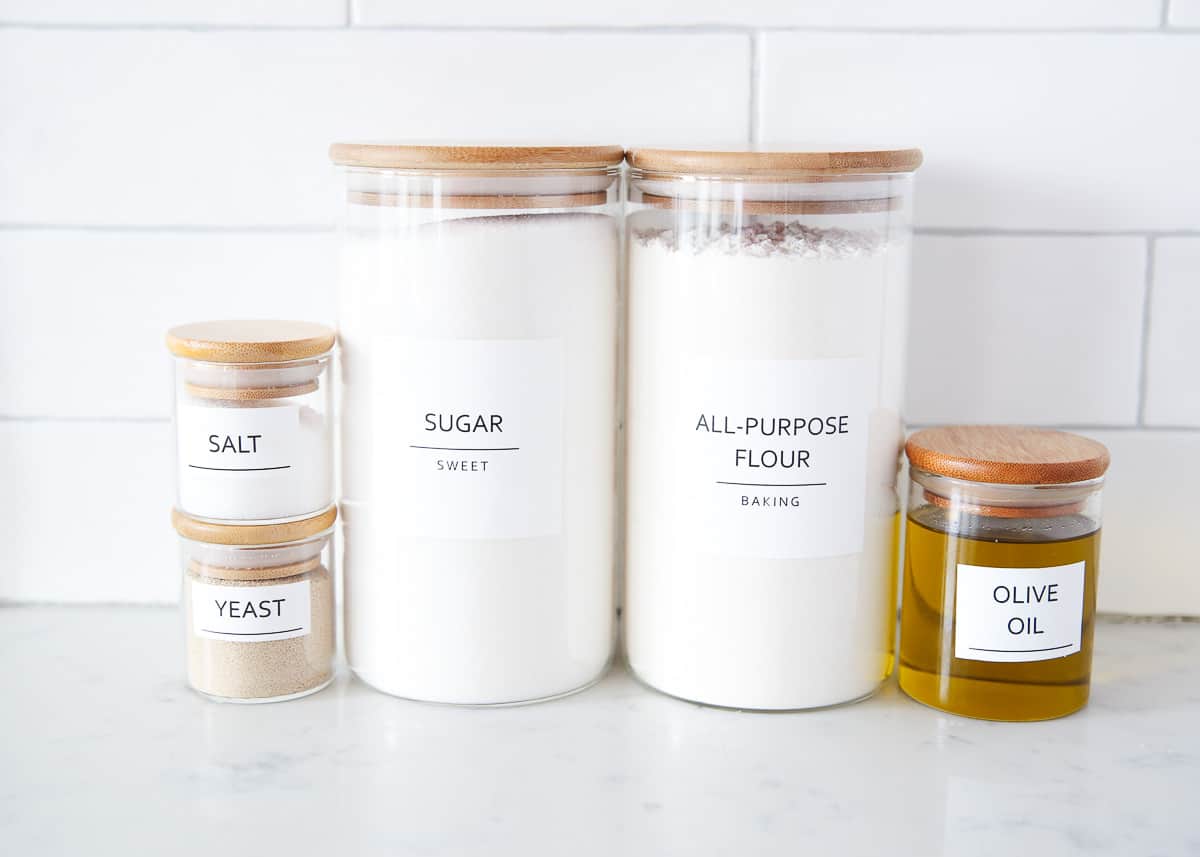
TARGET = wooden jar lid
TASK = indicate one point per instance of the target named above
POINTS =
(1007, 455)
(442, 157)
(252, 535)
(471, 202)
(250, 341)
(784, 164)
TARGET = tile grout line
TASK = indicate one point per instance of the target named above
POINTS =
(1147, 298)
(598, 29)
(753, 132)
(913, 425)
(318, 229)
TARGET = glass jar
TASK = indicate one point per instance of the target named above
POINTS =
(258, 603)
(478, 328)
(1001, 558)
(767, 315)
(253, 419)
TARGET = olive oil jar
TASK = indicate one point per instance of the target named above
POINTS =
(1001, 555)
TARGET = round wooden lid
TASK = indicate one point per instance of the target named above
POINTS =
(252, 535)
(1007, 455)
(441, 157)
(250, 341)
(797, 162)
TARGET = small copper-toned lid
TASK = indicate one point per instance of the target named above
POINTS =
(1007, 455)
(443, 157)
(250, 341)
(797, 162)
(252, 535)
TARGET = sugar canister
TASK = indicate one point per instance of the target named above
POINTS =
(478, 326)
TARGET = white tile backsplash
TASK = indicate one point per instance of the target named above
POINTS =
(1042, 330)
(163, 162)
(86, 506)
(276, 13)
(1184, 13)
(1173, 348)
(863, 14)
(81, 330)
(1147, 557)
(1020, 131)
(231, 128)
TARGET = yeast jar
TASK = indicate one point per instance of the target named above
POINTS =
(478, 329)
(259, 607)
(767, 314)
(253, 418)
(1001, 562)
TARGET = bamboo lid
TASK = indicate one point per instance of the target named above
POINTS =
(442, 157)
(250, 341)
(1007, 455)
(252, 535)
(784, 163)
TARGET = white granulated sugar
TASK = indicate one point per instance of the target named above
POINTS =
(486, 585)
(741, 608)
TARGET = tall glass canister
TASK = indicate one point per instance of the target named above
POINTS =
(478, 327)
(767, 319)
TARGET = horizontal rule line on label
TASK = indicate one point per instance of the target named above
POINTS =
(776, 484)
(467, 448)
(1023, 651)
(241, 469)
(249, 633)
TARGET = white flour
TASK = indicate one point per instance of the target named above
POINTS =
(782, 600)
(478, 454)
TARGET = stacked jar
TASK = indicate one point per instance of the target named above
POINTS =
(478, 328)
(254, 506)
(767, 316)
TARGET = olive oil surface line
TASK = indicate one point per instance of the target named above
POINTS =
(930, 673)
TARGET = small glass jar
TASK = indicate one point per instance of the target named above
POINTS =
(768, 296)
(258, 603)
(478, 353)
(253, 419)
(1001, 558)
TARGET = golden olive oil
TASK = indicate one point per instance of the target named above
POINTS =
(937, 543)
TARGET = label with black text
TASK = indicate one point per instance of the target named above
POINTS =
(218, 446)
(251, 614)
(478, 446)
(1018, 614)
(773, 454)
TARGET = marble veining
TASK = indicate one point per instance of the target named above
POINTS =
(105, 751)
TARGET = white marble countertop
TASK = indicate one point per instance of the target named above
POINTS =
(105, 751)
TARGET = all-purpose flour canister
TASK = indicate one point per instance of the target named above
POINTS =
(478, 328)
(767, 316)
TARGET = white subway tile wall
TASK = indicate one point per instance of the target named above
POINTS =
(162, 162)
(1184, 13)
(1173, 343)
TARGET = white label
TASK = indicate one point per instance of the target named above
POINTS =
(1018, 614)
(474, 447)
(222, 448)
(774, 456)
(251, 614)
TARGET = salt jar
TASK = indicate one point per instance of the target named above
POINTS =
(478, 326)
(1002, 550)
(258, 603)
(766, 344)
(253, 419)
